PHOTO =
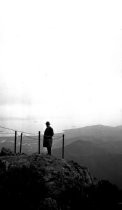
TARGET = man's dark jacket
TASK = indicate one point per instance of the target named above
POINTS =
(48, 134)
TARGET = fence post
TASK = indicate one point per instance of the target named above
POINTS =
(15, 142)
(63, 147)
(21, 143)
(39, 141)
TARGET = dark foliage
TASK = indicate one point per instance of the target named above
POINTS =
(6, 152)
(104, 195)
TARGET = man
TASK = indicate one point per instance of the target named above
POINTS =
(48, 134)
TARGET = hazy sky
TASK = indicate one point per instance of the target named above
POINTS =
(61, 61)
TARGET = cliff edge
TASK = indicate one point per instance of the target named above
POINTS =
(42, 182)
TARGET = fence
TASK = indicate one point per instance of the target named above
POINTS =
(14, 135)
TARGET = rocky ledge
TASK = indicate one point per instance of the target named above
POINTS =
(42, 182)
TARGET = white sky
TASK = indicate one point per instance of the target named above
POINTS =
(61, 61)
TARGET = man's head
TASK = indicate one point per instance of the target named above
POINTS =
(47, 123)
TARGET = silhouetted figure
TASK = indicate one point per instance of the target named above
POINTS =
(48, 134)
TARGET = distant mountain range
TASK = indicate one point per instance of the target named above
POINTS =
(97, 147)
(106, 137)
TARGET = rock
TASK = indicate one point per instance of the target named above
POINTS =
(42, 182)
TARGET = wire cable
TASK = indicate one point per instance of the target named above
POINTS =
(29, 133)
(17, 130)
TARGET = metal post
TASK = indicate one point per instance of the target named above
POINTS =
(21, 143)
(63, 147)
(39, 141)
(15, 142)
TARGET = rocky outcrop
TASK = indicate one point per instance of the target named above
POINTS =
(42, 182)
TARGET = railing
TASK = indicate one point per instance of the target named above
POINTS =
(37, 138)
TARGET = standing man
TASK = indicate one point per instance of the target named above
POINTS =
(48, 134)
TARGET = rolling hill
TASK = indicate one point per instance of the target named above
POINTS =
(101, 163)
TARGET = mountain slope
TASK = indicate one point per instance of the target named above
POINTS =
(105, 137)
(102, 164)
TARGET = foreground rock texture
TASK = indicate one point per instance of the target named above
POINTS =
(42, 182)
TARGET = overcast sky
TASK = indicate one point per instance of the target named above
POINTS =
(61, 61)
